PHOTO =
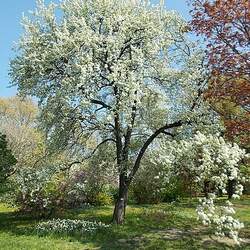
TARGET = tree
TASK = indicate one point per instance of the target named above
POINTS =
(7, 160)
(18, 122)
(225, 25)
(102, 69)
(236, 120)
(35, 168)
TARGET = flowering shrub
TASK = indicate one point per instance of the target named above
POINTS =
(68, 226)
(30, 186)
(220, 217)
(47, 189)
(208, 160)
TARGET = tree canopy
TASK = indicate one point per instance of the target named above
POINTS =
(225, 27)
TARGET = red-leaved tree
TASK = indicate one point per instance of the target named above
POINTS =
(225, 26)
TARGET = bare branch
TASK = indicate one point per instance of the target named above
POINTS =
(89, 156)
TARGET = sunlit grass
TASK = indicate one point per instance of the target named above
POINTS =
(161, 226)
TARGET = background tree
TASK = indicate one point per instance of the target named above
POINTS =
(225, 25)
(7, 160)
(31, 178)
(18, 122)
(101, 70)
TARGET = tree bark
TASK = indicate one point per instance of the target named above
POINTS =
(230, 188)
(206, 188)
(122, 161)
(121, 202)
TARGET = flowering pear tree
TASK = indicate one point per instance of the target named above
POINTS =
(121, 72)
(208, 159)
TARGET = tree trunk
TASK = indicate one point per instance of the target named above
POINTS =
(122, 161)
(121, 202)
(231, 188)
(206, 188)
(220, 194)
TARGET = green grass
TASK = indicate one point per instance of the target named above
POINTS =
(162, 226)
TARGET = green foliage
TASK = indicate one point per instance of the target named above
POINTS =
(147, 185)
(153, 193)
(7, 160)
(103, 199)
(150, 186)
(174, 190)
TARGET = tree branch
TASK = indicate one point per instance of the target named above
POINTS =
(89, 156)
(146, 145)
(103, 104)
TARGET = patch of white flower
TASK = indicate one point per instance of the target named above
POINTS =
(208, 158)
(68, 226)
(220, 217)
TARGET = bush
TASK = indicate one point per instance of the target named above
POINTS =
(148, 185)
(29, 189)
(45, 189)
(173, 191)
(42, 192)
(151, 187)
(103, 199)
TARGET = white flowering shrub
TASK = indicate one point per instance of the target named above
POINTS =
(208, 159)
(220, 217)
(30, 186)
(69, 226)
(48, 189)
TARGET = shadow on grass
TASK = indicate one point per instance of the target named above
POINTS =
(155, 227)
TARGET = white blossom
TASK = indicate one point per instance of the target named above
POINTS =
(209, 158)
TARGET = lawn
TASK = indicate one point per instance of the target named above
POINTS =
(162, 226)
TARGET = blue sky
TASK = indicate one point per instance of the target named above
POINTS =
(10, 30)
